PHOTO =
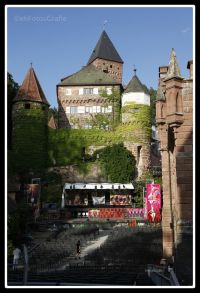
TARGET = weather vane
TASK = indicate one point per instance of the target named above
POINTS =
(104, 24)
(134, 69)
(31, 64)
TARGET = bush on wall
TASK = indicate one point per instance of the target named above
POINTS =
(117, 163)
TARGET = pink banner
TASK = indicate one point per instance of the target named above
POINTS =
(153, 202)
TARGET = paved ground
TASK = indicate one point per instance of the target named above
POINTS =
(94, 245)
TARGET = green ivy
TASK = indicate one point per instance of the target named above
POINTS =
(117, 163)
(29, 140)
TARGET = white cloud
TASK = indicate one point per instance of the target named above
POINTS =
(185, 30)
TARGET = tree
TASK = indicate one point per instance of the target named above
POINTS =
(117, 163)
(12, 88)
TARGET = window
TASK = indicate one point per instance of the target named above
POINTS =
(87, 126)
(81, 109)
(94, 109)
(73, 110)
(88, 91)
(98, 109)
(108, 109)
(109, 90)
(27, 106)
(68, 92)
(88, 109)
(96, 91)
(103, 109)
(67, 110)
(110, 66)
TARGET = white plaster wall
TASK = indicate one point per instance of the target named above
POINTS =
(139, 98)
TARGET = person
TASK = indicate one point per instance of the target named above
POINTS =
(16, 255)
(78, 248)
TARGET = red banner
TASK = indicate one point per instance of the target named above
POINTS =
(153, 201)
(116, 213)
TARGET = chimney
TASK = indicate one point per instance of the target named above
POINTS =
(190, 67)
(163, 71)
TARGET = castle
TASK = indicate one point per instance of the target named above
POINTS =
(95, 90)
(81, 97)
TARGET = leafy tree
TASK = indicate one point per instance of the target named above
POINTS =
(51, 187)
(138, 193)
(12, 88)
(117, 163)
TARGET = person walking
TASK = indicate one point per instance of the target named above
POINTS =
(78, 248)
(16, 256)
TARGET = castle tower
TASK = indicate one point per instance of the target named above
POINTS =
(136, 93)
(30, 130)
(106, 58)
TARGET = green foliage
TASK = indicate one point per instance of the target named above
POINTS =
(113, 99)
(140, 184)
(51, 177)
(30, 140)
(53, 112)
(12, 88)
(101, 121)
(138, 193)
(153, 94)
(10, 248)
(51, 187)
(138, 115)
(51, 193)
(117, 163)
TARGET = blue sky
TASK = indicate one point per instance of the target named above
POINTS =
(59, 40)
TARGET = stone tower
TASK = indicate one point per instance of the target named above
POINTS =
(136, 93)
(29, 113)
(105, 57)
(174, 112)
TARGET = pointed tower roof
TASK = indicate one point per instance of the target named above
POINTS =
(173, 69)
(105, 50)
(135, 85)
(31, 90)
(52, 123)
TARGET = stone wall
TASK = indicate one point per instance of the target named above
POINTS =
(114, 69)
(79, 120)
(174, 119)
(72, 174)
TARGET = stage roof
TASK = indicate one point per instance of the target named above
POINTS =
(100, 186)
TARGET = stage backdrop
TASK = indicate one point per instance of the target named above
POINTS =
(120, 199)
(76, 199)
